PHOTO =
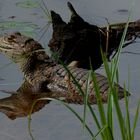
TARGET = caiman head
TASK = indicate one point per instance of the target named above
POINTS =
(19, 47)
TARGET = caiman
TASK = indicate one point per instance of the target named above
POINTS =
(82, 42)
(45, 75)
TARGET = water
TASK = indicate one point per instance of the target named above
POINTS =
(54, 121)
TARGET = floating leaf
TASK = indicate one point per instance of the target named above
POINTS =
(15, 24)
(27, 4)
(29, 33)
(26, 28)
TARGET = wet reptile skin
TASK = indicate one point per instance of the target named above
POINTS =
(62, 82)
(44, 74)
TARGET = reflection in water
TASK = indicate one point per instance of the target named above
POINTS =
(19, 103)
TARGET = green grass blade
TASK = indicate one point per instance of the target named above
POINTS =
(44, 30)
(106, 133)
(45, 10)
(98, 99)
(110, 96)
(81, 92)
(119, 115)
(66, 105)
(86, 96)
(110, 113)
(111, 75)
(122, 42)
(135, 120)
(95, 119)
(114, 95)
(29, 120)
(100, 131)
(128, 127)
(81, 120)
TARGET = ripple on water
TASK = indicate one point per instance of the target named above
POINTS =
(123, 11)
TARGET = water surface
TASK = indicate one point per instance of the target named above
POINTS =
(55, 121)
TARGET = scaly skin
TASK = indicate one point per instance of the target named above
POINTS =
(47, 76)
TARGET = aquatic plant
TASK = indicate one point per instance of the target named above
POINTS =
(28, 4)
(16, 24)
(26, 28)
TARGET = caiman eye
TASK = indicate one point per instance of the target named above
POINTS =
(14, 35)
(28, 41)
(11, 37)
(18, 33)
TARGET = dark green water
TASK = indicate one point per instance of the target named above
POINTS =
(55, 121)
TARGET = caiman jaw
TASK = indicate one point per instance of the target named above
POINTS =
(5, 46)
(17, 46)
(10, 46)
